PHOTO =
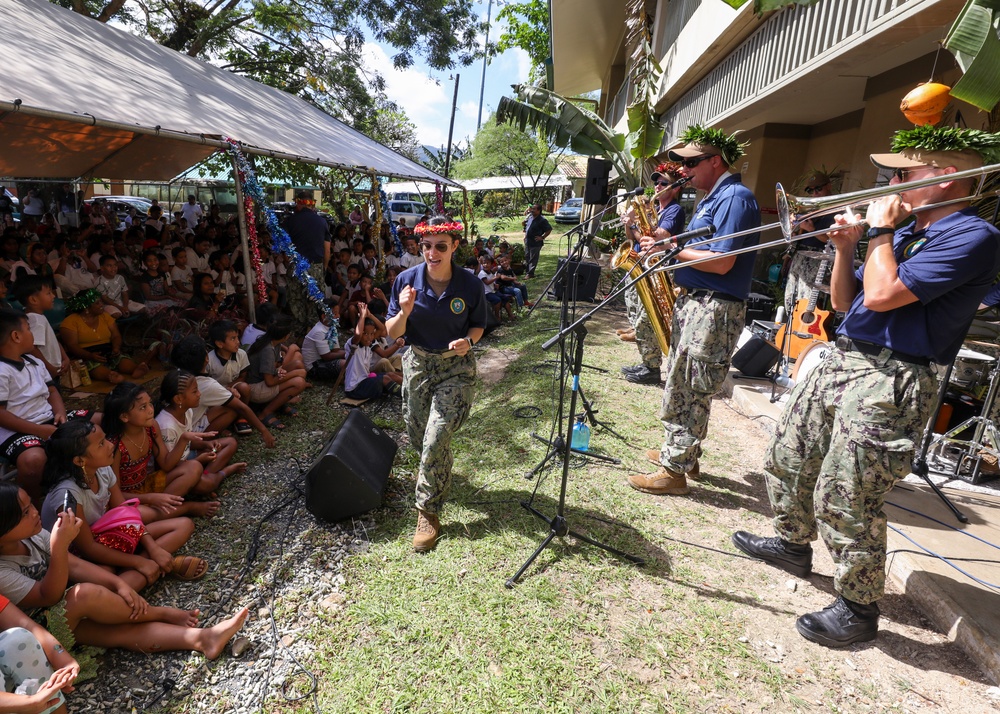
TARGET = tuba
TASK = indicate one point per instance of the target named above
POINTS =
(655, 290)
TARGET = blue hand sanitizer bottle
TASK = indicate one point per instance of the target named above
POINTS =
(581, 435)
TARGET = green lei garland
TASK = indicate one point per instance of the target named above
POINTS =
(947, 138)
(731, 149)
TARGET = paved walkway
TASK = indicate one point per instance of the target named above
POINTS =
(920, 524)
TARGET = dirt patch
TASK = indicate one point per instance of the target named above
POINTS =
(492, 365)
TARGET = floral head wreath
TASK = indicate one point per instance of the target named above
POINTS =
(946, 138)
(728, 145)
(668, 167)
(426, 229)
(82, 300)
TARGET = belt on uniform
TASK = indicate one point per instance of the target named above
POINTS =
(421, 352)
(715, 295)
(868, 348)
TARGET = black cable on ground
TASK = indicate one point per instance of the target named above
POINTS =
(528, 412)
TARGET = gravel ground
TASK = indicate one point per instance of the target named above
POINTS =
(291, 571)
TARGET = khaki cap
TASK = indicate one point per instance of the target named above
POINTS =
(689, 151)
(912, 158)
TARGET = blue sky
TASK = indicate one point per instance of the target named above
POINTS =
(426, 94)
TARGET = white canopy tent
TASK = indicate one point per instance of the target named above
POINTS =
(81, 99)
(490, 183)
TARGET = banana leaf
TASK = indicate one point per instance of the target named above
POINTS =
(973, 41)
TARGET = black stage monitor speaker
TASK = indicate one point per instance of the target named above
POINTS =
(596, 188)
(756, 357)
(585, 275)
(349, 476)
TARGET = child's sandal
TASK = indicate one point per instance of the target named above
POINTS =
(272, 422)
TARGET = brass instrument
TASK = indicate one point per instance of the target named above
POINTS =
(656, 291)
(792, 210)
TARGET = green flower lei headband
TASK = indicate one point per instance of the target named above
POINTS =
(946, 138)
(730, 148)
(82, 300)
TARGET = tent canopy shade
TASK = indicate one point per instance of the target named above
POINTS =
(118, 106)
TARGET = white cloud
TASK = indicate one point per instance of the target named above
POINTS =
(426, 102)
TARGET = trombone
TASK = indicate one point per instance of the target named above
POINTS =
(793, 210)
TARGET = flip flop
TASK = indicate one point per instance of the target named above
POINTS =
(189, 567)
(243, 427)
(289, 410)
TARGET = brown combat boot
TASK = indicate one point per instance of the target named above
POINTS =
(653, 455)
(664, 482)
(428, 527)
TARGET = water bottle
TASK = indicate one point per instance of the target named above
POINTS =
(581, 435)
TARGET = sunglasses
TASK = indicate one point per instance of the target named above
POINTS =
(815, 189)
(662, 183)
(695, 160)
(439, 247)
(900, 174)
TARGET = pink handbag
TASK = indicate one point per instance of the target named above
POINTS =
(121, 527)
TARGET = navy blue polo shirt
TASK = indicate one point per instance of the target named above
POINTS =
(437, 321)
(731, 208)
(671, 218)
(949, 266)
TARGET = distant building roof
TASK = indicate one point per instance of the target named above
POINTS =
(574, 167)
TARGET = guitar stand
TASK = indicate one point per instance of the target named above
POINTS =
(970, 453)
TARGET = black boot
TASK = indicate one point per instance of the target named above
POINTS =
(644, 376)
(840, 624)
(633, 368)
(794, 558)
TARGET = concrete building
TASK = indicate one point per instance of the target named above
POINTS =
(810, 87)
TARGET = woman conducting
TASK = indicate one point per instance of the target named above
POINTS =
(441, 309)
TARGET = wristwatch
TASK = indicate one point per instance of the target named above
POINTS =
(876, 231)
(471, 343)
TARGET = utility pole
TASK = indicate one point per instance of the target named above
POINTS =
(486, 57)
(451, 127)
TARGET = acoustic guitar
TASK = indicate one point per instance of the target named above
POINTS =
(808, 324)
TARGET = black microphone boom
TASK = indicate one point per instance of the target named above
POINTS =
(682, 238)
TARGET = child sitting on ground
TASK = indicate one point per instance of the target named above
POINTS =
(227, 361)
(30, 404)
(321, 352)
(35, 293)
(509, 284)
(79, 464)
(114, 290)
(102, 609)
(218, 407)
(388, 350)
(360, 381)
(179, 397)
(181, 273)
(143, 464)
(488, 275)
(353, 287)
(271, 385)
(266, 314)
(155, 290)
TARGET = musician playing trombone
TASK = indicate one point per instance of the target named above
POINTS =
(709, 314)
(848, 433)
(670, 221)
(804, 267)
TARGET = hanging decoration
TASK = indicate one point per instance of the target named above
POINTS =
(280, 240)
(440, 198)
(255, 261)
(383, 200)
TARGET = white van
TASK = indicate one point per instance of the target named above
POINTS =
(412, 211)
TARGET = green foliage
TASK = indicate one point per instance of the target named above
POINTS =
(311, 48)
(974, 42)
(947, 138)
(517, 253)
(496, 203)
(527, 29)
(504, 150)
(730, 147)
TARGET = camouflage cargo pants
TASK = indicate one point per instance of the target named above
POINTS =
(437, 398)
(703, 337)
(645, 338)
(843, 441)
(304, 311)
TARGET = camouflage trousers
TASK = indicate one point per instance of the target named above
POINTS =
(845, 438)
(645, 338)
(703, 336)
(305, 312)
(802, 274)
(437, 398)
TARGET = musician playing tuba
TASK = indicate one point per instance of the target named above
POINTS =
(670, 221)
(708, 316)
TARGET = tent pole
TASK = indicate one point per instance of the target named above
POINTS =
(244, 240)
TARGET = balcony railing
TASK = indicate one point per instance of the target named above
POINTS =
(785, 43)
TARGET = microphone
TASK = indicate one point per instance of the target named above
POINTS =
(784, 381)
(680, 238)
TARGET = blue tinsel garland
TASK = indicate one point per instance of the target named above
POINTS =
(280, 240)
(397, 244)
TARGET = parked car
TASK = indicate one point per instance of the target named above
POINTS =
(121, 205)
(570, 211)
(412, 211)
